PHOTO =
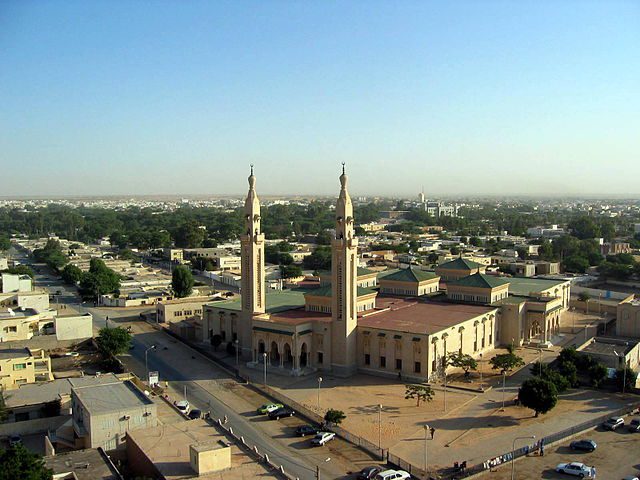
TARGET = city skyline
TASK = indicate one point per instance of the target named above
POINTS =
(464, 99)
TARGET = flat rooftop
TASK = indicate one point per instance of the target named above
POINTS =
(298, 316)
(609, 346)
(525, 286)
(84, 464)
(36, 393)
(7, 353)
(167, 446)
(276, 300)
(111, 397)
(7, 314)
(416, 316)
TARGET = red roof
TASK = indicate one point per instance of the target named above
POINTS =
(416, 316)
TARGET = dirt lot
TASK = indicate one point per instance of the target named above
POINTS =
(617, 455)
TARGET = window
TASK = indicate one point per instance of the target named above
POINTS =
(177, 313)
(416, 367)
(367, 359)
(320, 357)
(398, 364)
(20, 366)
(383, 362)
(10, 329)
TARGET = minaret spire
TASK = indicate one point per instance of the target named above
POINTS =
(344, 265)
(252, 260)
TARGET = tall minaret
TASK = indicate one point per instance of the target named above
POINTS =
(252, 252)
(344, 275)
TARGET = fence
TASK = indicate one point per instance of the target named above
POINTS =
(453, 473)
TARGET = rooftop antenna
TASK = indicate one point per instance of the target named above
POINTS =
(343, 168)
(252, 169)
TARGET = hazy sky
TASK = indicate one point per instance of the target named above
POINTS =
(161, 97)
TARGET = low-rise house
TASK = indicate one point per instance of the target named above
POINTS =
(104, 414)
(179, 309)
(20, 365)
(614, 353)
(88, 464)
(16, 283)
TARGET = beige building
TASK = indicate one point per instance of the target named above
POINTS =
(20, 365)
(16, 283)
(628, 319)
(104, 414)
(188, 450)
(458, 268)
(342, 328)
(410, 282)
(180, 309)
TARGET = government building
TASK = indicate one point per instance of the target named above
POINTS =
(402, 323)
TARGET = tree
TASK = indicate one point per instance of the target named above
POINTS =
(182, 281)
(216, 341)
(568, 355)
(540, 369)
(290, 271)
(583, 296)
(189, 235)
(99, 280)
(462, 360)
(597, 374)
(19, 463)
(628, 379)
(505, 362)
(320, 259)
(334, 416)
(420, 392)
(5, 243)
(3, 406)
(569, 371)
(71, 274)
(538, 394)
(113, 341)
(576, 264)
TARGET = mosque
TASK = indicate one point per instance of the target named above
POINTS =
(399, 327)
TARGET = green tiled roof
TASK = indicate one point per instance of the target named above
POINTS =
(479, 280)
(525, 286)
(461, 264)
(409, 275)
(276, 300)
(326, 291)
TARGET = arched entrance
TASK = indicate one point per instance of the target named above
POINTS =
(274, 357)
(288, 358)
(303, 355)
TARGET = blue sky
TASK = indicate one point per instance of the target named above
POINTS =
(466, 97)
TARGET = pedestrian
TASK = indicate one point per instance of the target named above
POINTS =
(433, 432)
(593, 472)
(225, 419)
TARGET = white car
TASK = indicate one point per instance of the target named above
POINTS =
(322, 437)
(576, 469)
(392, 475)
(183, 406)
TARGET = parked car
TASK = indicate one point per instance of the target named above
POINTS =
(322, 437)
(14, 440)
(281, 412)
(269, 407)
(303, 430)
(634, 426)
(392, 475)
(576, 469)
(613, 423)
(183, 406)
(630, 477)
(368, 473)
(585, 445)
(195, 414)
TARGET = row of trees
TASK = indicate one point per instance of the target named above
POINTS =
(99, 280)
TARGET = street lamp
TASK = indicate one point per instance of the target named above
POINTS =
(319, 382)
(426, 458)
(504, 381)
(540, 360)
(380, 428)
(237, 342)
(264, 358)
(146, 359)
(624, 369)
(480, 371)
(513, 449)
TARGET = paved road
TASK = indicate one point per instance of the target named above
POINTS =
(196, 372)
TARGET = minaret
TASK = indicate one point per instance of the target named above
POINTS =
(252, 261)
(344, 275)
